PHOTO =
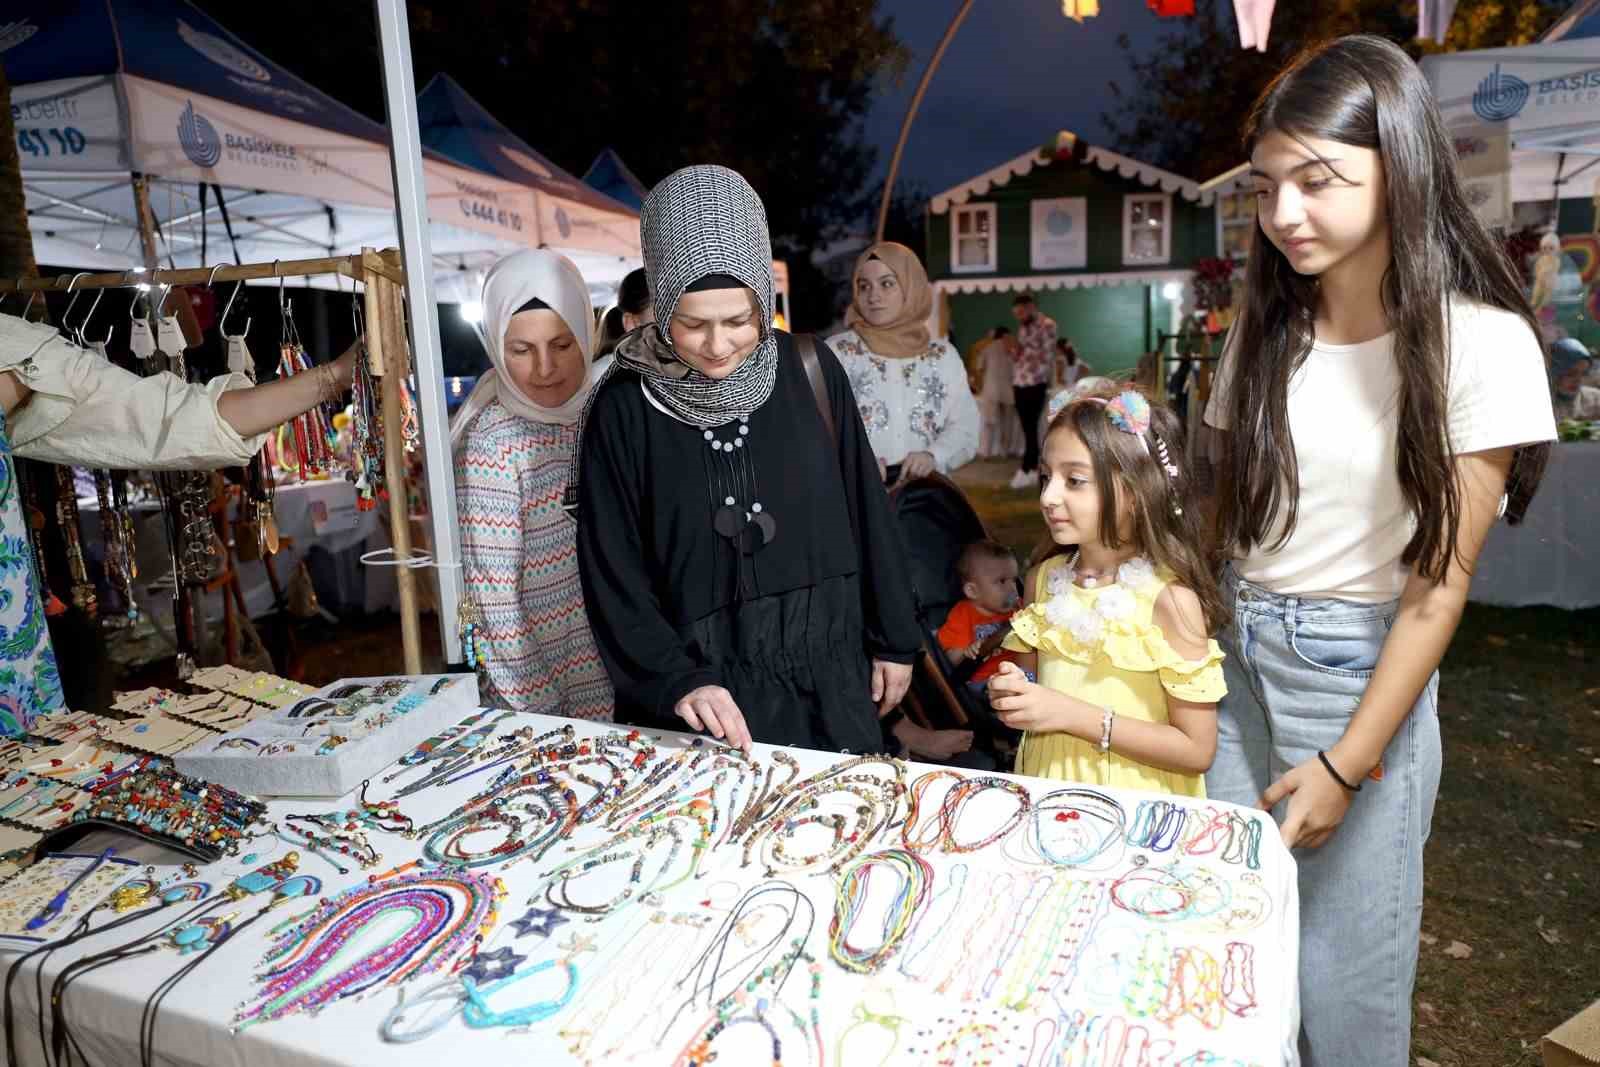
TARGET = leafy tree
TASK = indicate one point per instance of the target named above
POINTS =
(774, 89)
(1182, 105)
(16, 242)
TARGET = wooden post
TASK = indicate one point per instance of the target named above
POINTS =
(147, 222)
(390, 327)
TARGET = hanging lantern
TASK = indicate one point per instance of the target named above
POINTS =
(1078, 10)
(1168, 9)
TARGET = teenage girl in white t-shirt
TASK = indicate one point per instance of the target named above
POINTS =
(1383, 387)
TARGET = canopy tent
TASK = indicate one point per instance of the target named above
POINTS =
(108, 92)
(1532, 112)
(609, 174)
(596, 232)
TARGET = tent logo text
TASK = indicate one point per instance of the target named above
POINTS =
(198, 138)
(1499, 96)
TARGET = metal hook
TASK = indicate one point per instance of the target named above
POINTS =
(29, 305)
(213, 278)
(222, 323)
(83, 327)
(278, 276)
(66, 316)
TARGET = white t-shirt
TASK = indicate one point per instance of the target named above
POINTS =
(1353, 524)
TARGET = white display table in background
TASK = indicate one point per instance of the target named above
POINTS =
(960, 965)
(310, 515)
(1553, 556)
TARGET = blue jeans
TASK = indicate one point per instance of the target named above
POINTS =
(1296, 670)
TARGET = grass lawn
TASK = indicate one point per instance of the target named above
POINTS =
(1511, 945)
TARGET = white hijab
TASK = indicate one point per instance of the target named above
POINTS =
(511, 283)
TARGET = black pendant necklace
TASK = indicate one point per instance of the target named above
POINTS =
(737, 514)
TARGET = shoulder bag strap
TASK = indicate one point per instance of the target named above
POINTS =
(807, 344)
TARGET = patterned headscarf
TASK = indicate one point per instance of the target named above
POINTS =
(699, 221)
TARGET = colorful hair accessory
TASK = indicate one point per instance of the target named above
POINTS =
(1129, 412)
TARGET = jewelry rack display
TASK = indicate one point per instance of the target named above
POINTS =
(381, 278)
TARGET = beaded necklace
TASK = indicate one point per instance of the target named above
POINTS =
(1074, 827)
(913, 877)
(446, 913)
(324, 834)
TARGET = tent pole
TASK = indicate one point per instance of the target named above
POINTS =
(411, 213)
(147, 227)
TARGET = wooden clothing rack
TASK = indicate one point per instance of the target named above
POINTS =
(382, 277)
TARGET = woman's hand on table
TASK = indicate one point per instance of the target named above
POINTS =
(916, 465)
(712, 709)
(1317, 803)
(889, 684)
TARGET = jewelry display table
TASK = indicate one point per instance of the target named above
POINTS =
(758, 911)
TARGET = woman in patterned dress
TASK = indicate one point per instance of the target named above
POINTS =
(912, 390)
(514, 440)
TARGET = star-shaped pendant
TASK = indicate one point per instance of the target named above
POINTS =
(492, 966)
(541, 921)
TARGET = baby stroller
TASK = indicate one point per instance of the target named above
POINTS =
(936, 522)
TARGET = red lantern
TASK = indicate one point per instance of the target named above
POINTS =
(1168, 9)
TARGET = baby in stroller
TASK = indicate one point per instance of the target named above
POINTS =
(972, 632)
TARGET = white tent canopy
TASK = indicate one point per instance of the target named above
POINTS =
(105, 91)
(1542, 99)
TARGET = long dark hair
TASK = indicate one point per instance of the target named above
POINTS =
(1166, 512)
(1366, 92)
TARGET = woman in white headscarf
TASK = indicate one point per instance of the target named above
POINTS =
(514, 440)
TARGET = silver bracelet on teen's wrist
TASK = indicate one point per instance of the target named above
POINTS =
(1106, 716)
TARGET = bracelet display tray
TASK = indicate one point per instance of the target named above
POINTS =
(328, 743)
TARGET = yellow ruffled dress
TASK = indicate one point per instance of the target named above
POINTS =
(1102, 646)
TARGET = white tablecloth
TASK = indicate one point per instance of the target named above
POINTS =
(1553, 557)
(1099, 980)
(310, 515)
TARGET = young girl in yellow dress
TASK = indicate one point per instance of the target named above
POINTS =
(1120, 615)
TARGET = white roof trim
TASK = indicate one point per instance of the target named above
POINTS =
(1103, 158)
(1232, 180)
(1037, 282)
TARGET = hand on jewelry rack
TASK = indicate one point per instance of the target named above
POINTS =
(711, 708)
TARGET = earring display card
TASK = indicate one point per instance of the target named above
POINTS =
(257, 686)
(66, 726)
(85, 879)
(146, 701)
(38, 803)
(326, 743)
(163, 736)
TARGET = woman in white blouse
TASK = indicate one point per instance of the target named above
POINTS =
(912, 390)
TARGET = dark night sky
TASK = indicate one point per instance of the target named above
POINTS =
(1017, 71)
